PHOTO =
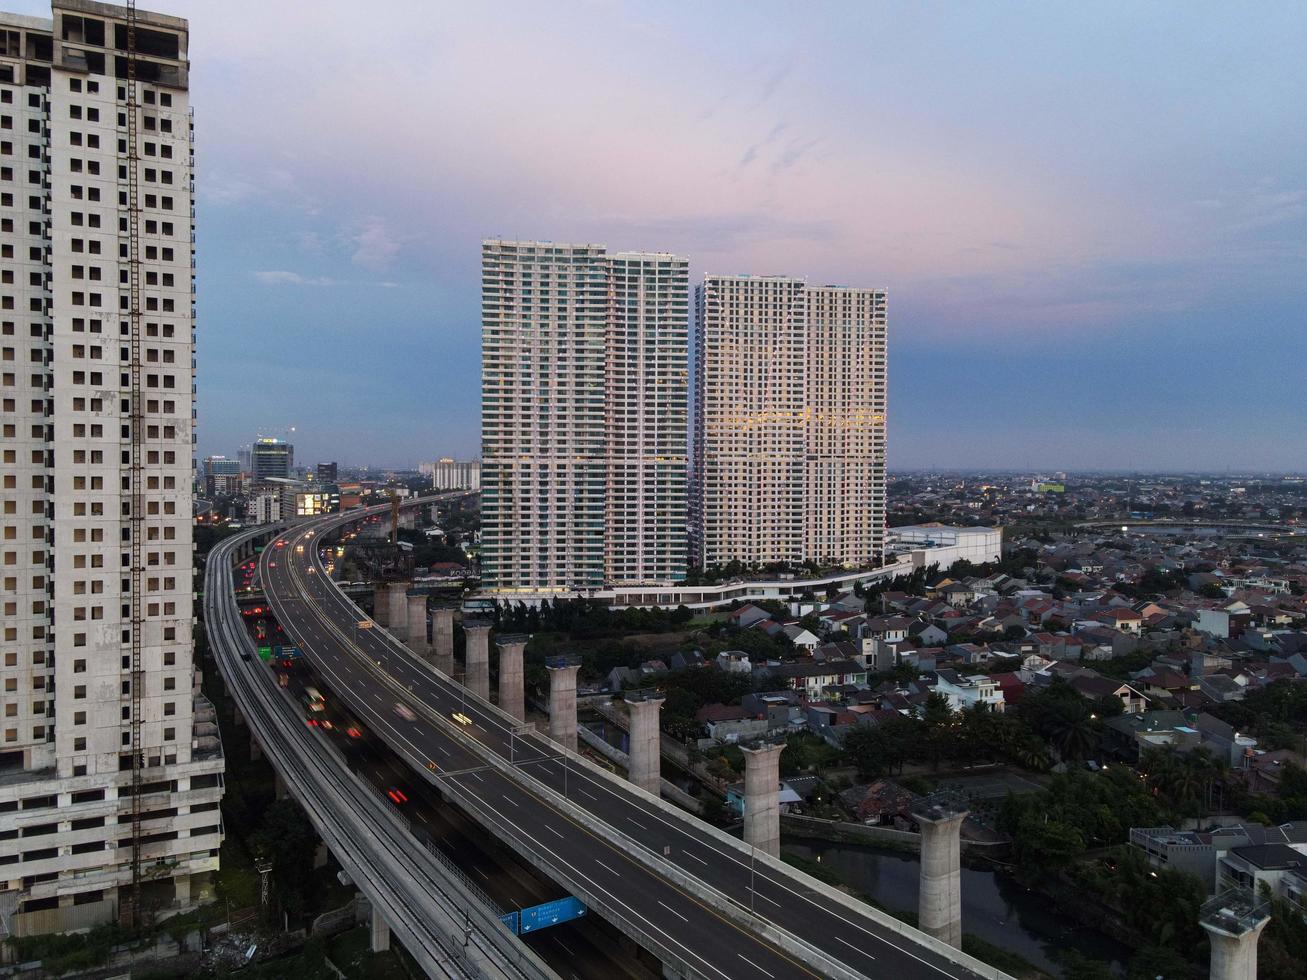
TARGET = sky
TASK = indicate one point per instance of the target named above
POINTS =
(1091, 218)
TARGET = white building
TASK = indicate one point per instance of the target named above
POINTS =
(967, 692)
(942, 544)
(99, 691)
(583, 416)
(448, 473)
(789, 416)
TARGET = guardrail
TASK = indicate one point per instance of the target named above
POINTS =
(733, 907)
(443, 924)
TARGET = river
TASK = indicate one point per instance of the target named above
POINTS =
(994, 908)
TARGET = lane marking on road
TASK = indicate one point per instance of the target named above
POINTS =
(765, 898)
(672, 910)
(553, 831)
(854, 948)
(695, 857)
(507, 800)
(755, 965)
(606, 867)
(637, 823)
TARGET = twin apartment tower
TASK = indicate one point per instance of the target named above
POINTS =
(590, 478)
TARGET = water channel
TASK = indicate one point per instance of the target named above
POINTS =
(994, 908)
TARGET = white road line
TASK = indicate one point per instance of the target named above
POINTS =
(753, 964)
(553, 831)
(854, 948)
(695, 857)
(606, 867)
(482, 873)
(672, 910)
(507, 800)
(591, 795)
(765, 898)
(637, 823)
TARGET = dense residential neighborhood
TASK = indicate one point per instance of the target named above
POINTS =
(1104, 698)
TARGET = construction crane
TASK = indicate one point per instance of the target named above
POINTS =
(132, 908)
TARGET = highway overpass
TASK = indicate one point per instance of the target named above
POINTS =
(699, 899)
(413, 891)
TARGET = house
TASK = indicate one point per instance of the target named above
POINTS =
(967, 692)
(1096, 687)
(1213, 622)
(929, 635)
(814, 677)
(734, 662)
(1124, 619)
(1280, 868)
(1221, 687)
(883, 801)
(800, 637)
(747, 615)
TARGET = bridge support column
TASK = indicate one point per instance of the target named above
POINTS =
(562, 702)
(512, 687)
(939, 905)
(417, 623)
(397, 609)
(762, 797)
(645, 757)
(256, 750)
(442, 635)
(279, 786)
(1234, 921)
(381, 604)
(476, 657)
(380, 932)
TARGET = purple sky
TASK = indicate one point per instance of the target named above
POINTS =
(1091, 218)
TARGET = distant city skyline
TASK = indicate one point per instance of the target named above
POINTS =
(1091, 239)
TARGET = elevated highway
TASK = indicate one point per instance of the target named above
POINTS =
(699, 899)
(449, 932)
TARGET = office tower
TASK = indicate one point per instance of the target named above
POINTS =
(222, 476)
(325, 472)
(271, 459)
(448, 473)
(110, 762)
(647, 394)
(245, 456)
(789, 421)
(582, 416)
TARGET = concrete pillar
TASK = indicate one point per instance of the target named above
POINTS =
(380, 932)
(442, 635)
(181, 886)
(645, 763)
(939, 905)
(279, 786)
(562, 702)
(256, 750)
(512, 688)
(397, 603)
(417, 623)
(1234, 921)
(381, 605)
(476, 657)
(762, 797)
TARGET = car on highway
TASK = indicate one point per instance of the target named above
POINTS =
(405, 712)
(314, 699)
(461, 718)
(397, 795)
